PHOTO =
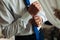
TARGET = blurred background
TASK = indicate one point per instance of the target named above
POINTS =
(51, 31)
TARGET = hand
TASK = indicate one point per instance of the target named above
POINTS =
(36, 20)
(34, 8)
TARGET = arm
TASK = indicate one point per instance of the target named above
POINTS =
(17, 27)
(9, 29)
(42, 15)
(37, 11)
(5, 17)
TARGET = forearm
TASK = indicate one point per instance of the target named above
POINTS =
(13, 29)
(5, 17)
(17, 27)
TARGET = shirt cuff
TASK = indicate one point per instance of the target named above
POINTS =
(39, 27)
(31, 1)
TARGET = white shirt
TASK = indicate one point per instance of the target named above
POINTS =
(49, 6)
(16, 24)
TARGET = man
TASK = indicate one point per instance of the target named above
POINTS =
(14, 19)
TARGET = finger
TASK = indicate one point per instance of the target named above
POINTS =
(37, 4)
(37, 20)
(38, 23)
(36, 17)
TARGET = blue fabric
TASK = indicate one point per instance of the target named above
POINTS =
(41, 34)
(36, 31)
(27, 2)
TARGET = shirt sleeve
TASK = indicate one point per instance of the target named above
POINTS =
(11, 28)
(5, 17)
(31, 1)
(41, 13)
(43, 16)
